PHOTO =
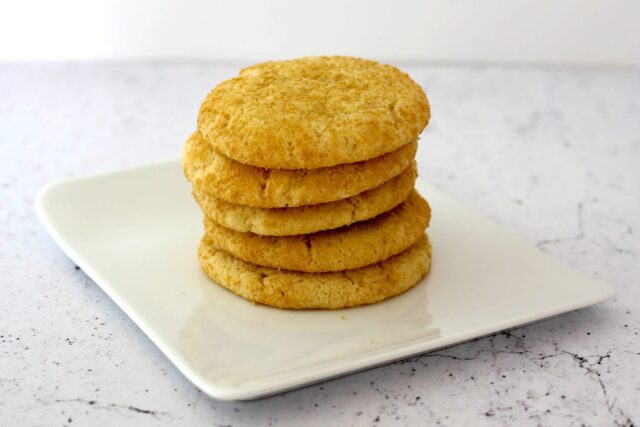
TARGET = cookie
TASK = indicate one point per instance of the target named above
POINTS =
(309, 219)
(238, 183)
(288, 289)
(345, 248)
(313, 112)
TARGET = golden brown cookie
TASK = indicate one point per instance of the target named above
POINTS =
(289, 289)
(242, 184)
(312, 218)
(313, 112)
(345, 248)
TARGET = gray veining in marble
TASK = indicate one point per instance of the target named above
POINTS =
(553, 155)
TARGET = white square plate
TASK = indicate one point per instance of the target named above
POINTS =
(136, 232)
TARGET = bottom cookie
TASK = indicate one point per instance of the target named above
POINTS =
(289, 289)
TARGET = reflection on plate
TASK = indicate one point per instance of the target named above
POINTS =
(248, 341)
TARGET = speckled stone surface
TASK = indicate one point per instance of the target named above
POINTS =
(553, 155)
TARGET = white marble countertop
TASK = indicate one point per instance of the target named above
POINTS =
(553, 155)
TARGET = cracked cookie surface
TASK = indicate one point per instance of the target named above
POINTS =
(234, 182)
(313, 112)
(312, 218)
(295, 290)
(344, 248)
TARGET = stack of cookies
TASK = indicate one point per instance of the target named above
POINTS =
(304, 170)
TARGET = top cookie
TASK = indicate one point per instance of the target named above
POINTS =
(313, 112)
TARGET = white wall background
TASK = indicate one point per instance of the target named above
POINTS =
(605, 32)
